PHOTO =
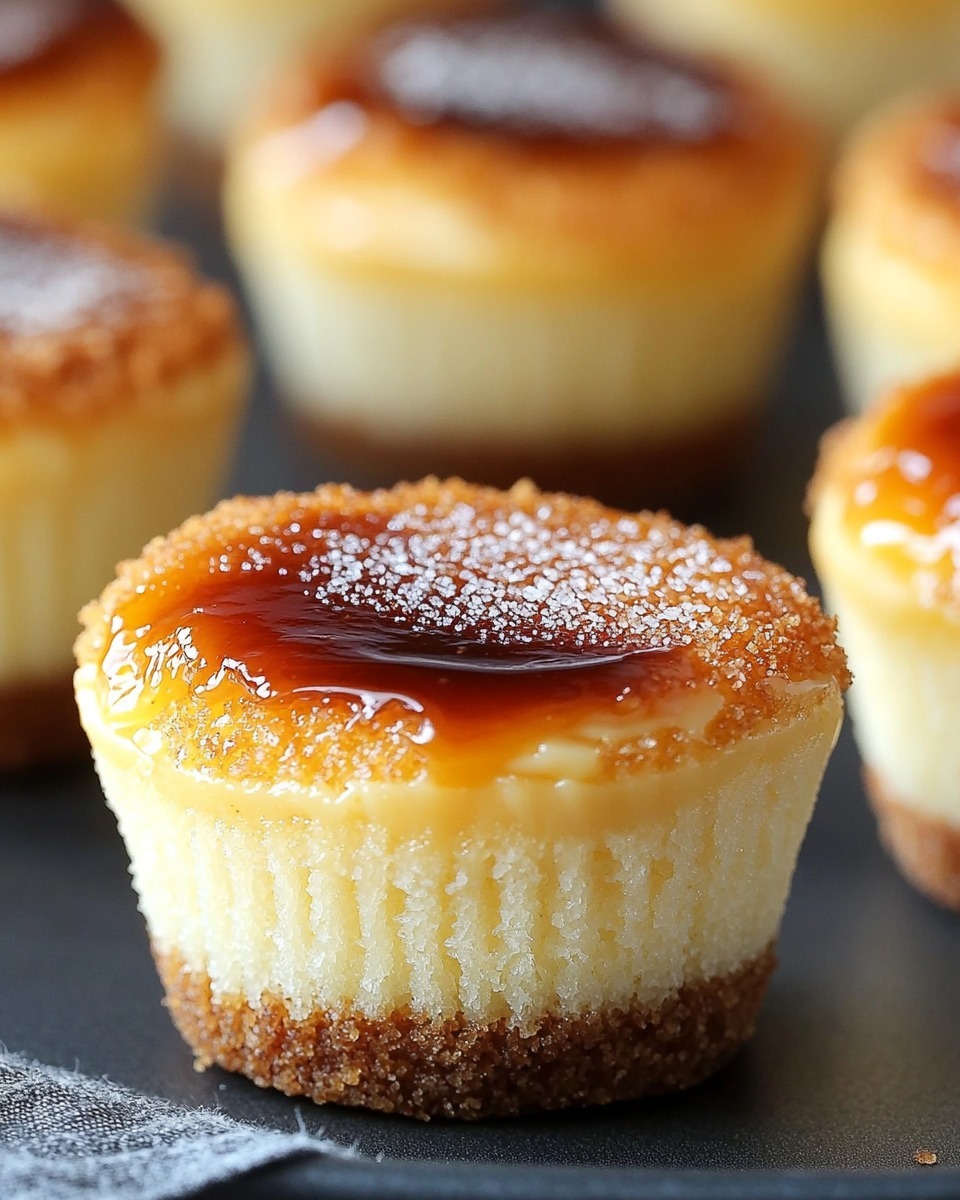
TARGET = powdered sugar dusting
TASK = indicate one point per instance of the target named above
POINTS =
(51, 283)
(546, 73)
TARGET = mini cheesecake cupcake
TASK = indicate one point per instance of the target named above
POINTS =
(78, 132)
(836, 58)
(515, 244)
(218, 51)
(450, 801)
(886, 542)
(121, 376)
(891, 262)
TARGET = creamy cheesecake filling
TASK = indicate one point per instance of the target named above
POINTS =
(886, 540)
(529, 895)
(412, 357)
(906, 659)
(894, 316)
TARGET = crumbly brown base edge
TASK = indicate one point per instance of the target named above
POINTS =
(457, 1068)
(39, 725)
(633, 473)
(926, 850)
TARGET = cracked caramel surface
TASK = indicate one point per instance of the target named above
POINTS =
(90, 318)
(225, 640)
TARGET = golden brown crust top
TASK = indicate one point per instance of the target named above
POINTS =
(900, 177)
(508, 569)
(91, 318)
(591, 203)
(541, 75)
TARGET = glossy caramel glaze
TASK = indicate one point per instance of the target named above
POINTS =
(90, 318)
(898, 471)
(440, 628)
(549, 75)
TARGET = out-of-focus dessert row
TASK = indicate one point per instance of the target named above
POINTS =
(448, 800)
(121, 384)
(518, 244)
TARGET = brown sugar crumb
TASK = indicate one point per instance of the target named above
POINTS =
(452, 560)
(925, 848)
(425, 1068)
(925, 1158)
(91, 317)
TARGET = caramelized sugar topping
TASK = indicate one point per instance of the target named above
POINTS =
(31, 29)
(90, 318)
(905, 481)
(440, 628)
(541, 75)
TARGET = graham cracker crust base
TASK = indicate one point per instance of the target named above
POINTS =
(926, 850)
(632, 474)
(39, 725)
(455, 1068)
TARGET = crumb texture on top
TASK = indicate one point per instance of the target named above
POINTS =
(91, 317)
(447, 558)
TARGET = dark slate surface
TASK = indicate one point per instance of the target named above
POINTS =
(855, 1066)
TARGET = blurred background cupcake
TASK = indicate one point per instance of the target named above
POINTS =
(836, 58)
(122, 377)
(78, 129)
(885, 538)
(516, 244)
(891, 262)
(218, 50)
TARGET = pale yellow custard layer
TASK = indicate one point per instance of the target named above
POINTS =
(415, 357)
(539, 892)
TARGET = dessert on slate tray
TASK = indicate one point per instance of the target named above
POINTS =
(78, 127)
(218, 50)
(891, 260)
(450, 801)
(121, 377)
(511, 245)
(885, 538)
(838, 58)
